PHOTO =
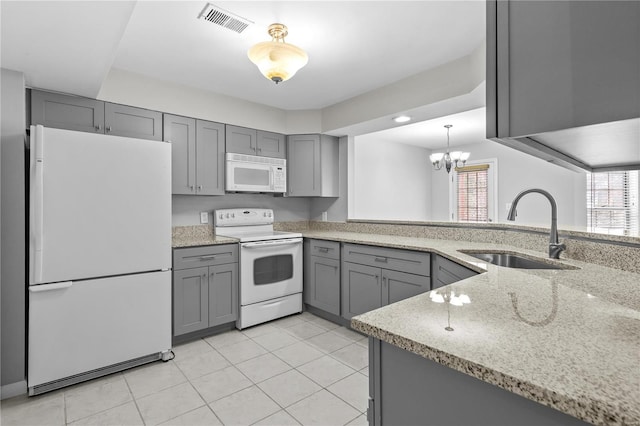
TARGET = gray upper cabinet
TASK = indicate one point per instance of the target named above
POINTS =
(122, 120)
(554, 66)
(210, 146)
(445, 272)
(271, 144)
(375, 276)
(312, 166)
(322, 275)
(242, 140)
(181, 133)
(67, 112)
(90, 115)
(197, 155)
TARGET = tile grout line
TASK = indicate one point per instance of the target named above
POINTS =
(135, 402)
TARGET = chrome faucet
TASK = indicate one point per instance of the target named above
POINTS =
(555, 247)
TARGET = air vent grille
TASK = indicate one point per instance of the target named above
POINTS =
(224, 18)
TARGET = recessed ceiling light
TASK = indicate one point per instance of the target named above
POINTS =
(401, 119)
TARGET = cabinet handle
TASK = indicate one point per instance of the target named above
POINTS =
(208, 257)
(384, 281)
(191, 188)
(204, 275)
(323, 249)
(108, 129)
(381, 259)
(259, 149)
(98, 128)
(199, 187)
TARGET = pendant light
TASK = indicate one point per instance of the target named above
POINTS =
(438, 159)
(277, 60)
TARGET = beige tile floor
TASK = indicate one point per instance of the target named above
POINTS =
(295, 370)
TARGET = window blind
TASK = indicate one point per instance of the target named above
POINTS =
(473, 204)
(612, 202)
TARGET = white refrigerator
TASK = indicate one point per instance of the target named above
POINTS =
(99, 255)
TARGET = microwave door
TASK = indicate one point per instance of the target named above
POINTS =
(249, 177)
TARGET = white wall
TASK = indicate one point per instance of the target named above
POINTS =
(390, 181)
(516, 172)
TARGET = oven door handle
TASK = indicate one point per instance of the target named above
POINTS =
(272, 243)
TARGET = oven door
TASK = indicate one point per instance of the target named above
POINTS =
(270, 269)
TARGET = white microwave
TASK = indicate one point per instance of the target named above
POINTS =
(249, 173)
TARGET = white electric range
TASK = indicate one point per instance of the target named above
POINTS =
(270, 265)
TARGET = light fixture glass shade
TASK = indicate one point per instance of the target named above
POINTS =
(464, 156)
(435, 157)
(455, 155)
(278, 61)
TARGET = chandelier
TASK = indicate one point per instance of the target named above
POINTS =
(438, 159)
(277, 60)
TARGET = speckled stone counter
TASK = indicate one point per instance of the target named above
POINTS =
(197, 235)
(568, 339)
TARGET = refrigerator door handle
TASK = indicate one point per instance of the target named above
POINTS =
(38, 200)
(50, 287)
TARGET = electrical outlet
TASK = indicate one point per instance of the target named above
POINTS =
(204, 217)
(324, 216)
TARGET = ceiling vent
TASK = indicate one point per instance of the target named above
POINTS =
(224, 18)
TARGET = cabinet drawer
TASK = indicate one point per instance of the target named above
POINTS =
(412, 262)
(195, 257)
(329, 249)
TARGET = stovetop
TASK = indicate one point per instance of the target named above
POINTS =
(249, 225)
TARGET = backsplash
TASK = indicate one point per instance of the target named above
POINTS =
(615, 252)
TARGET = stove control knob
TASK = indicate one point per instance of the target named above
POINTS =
(228, 216)
(265, 214)
(221, 215)
(270, 214)
(233, 215)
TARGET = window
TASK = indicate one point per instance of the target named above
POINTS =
(473, 190)
(612, 202)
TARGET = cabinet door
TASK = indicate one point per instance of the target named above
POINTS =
(445, 272)
(67, 112)
(223, 294)
(241, 140)
(325, 284)
(561, 64)
(360, 289)
(122, 120)
(181, 132)
(210, 145)
(303, 165)
(271, 144)
(400, 285)
(190, 300)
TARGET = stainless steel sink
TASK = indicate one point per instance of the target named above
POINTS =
(512, 260)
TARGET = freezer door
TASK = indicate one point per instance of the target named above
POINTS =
(100, 205)
(75, 327)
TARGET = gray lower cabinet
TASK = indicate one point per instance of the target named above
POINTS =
(89, 115)
(322, 275)
(407, 389)
(242, 140)
(445, 272)
(197, 155)
(312, 166)
(374, 276)
(205, 287)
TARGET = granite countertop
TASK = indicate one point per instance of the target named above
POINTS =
(193, 236)
(569, 339)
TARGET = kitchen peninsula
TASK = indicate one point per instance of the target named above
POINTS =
(567, 339)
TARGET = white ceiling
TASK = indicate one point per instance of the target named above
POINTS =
(468, 128)
(353, 46)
